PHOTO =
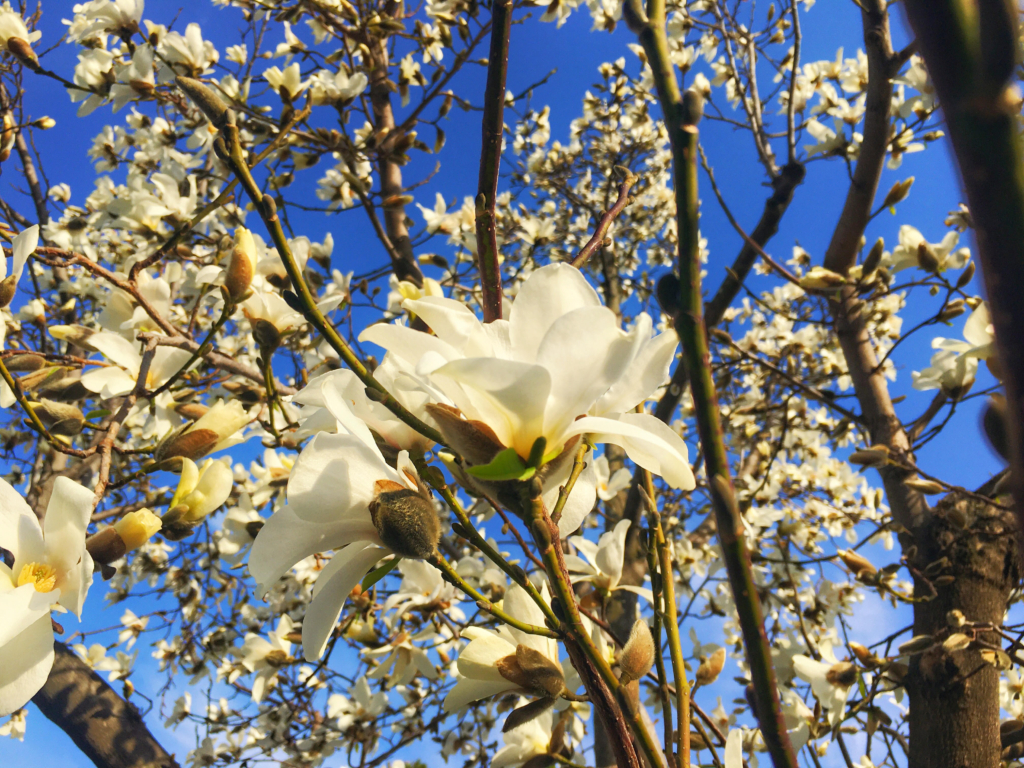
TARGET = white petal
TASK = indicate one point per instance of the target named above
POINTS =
(27, 662)
(22, 247)
(333, 479)
(117, 349)
(287, 539)
(478, 660)
(734, 749)
(648, 371)
(338, 578)
(612, 550)
(545, 296)
(506, 395)
(21, 608)
(580, 502)
(20, 533)
(67, 517)
(646, 440)
(468, 690)
(452, 321)
(406, 343)
(109, 382)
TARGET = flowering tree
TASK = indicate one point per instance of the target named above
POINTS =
(528, 501)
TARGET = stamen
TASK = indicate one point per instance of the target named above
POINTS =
(40, 575)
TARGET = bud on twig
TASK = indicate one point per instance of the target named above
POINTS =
(898, 192)
(874, 257)
(926, 258)
(206, 99)
(711, 667)
(693, 107)
(637, 655)
(405, 520)
(242, 266)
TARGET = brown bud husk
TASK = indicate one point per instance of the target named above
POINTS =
(406, 520)
(532, 671)
(637, 655)
(23, 52)
(967, 275)
(266, 335)
(926, 258)
(526, 713)
(106, 546)
(693, 107)
(843, 674)
(189, 445)
(898, 192)
(205, 98)
(711, 667)
(473, 440)
(927, 487)
(875, 456)
(861, 566)
(239, 274)
(24, 363)
(874, 257)
(7, 288)
(916, 644)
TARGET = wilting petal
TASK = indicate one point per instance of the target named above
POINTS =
(648, 441)
(508, 396)
(338, 578)
(287, 539)
(67, 516)
(27, 661)
(545, 296)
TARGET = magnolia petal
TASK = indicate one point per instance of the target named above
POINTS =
(167, 362)
(333, 586)
(611, 551)
(20, 533)
(287, 539)
(468, 690)
(645, 593)
(511, 755)
(585, 353)
(27, 661)
(333, 479)
(212, 490)
(22, 247)
(648, 371)
(337, 394)
(580, 502)
(508, 396)
(108, 382)
(67, 517)
(452, 321)
(479, 659)
(406, 343)
(647, 440)
(117, 349)
(545, 296)
(734, 749)
(21, 608)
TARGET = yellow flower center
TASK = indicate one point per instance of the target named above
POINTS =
(41, 576)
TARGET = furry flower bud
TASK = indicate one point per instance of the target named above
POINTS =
(242, 266)
(637, 655)
(406, 520)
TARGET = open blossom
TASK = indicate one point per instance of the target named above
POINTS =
(830, 680)
(603, 564)
(557, 369)
(955, 365)
(487, 665)
(52, 571)
(336, 481)
(906, 254)
(266, 656)
(362, 704)
(22, 247)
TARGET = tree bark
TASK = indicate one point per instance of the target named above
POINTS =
(107, 729)
(954, 697)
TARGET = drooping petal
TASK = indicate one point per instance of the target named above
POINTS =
(506, 395)
(585, 353)
(545, 296)
(468, 690)
(67, 517)
(646, 440)
(27, 661)
(333, 479)
(287, 539)
(338, 578)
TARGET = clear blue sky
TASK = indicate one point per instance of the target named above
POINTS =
(536, 49)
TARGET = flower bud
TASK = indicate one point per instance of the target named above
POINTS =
(898, 192)
(637, 655)
(206, 99)
(7, 288)
(213, 431)
(8, 133)
(874, 257)
(242, 266)
(711, 667)
(862, 567)
(22, 51)
(405, 520)
(136, 528)
(821, 279)
(24, 363)
(916, 644)
(60, 418)
(927, 487)
(693, 107)
(993, 421)
(875, 456)
(532, 671)
(44, 123)
(967, 275)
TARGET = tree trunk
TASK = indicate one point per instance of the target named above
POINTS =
(107, 729)
(954, 696)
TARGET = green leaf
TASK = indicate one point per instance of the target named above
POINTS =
(97, 414)
(505, 466)
(379, 573)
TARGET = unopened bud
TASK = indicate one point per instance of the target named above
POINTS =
(405, 520)
(60, 418)
(967, 275)
(193, 444)
(860, 565)
(927, 487)
(23, 52)
(693, 107)
(875, 456)
(711, 668)
(205, 98)
(44, 123)
(24, 363)
(136, 528)
(898, 192)
(865, 656)
(874, 257)
(926, 258)
(266, 335)
(916, 644)
(994, 421)
(637, 655)
(821, 279)
(7, 288)
(242, 266)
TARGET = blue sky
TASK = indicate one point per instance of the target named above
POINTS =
(536, 48)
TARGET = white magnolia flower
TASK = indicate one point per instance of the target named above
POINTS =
(13, 26)
(238, 530)
(830, 680)
(559, 357)
(364, 705)
(603, 564)
(201, 490)
(609, 484)
(270, 308)
(338, 87)
(23, 245)
(402, 660)
(333, 483)
(905, 255)
(479, 675)
(288, 82)
(133, 627)
(528, 740)
(52, 571)
(956, 364)
(266, 656)
(120, 378)
(422, 587)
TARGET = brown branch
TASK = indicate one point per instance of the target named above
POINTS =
(107, 729)
(606, 220)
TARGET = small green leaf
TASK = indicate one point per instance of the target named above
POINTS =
(505, 466)
(379, 573)
(97, 414)
(537, 452)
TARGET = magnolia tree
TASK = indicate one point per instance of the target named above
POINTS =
(528, 493)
